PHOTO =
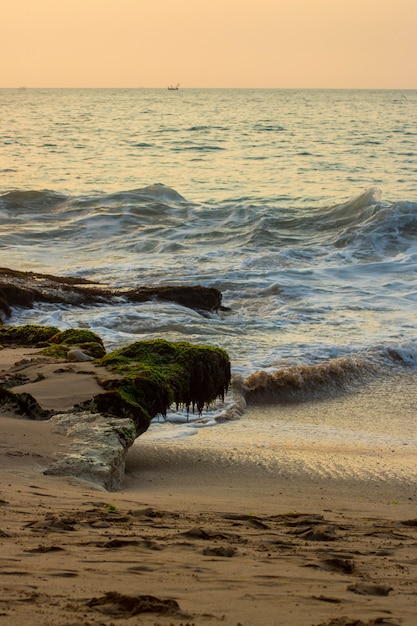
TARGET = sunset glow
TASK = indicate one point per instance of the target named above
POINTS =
(209, 43)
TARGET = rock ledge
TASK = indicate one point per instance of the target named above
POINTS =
(97, 447)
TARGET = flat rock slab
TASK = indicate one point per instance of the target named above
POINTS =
(96, 449)
(26, 288)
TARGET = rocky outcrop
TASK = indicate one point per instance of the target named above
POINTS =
(135, 383)
(141, 380)
(150, 376)
(96, 449)
(25, 288)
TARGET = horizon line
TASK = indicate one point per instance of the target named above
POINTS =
(140, 87)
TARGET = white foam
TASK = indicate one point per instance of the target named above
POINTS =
(167, 432)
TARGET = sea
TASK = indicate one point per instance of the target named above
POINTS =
(300, 206)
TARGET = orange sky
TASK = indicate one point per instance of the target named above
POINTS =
(209, 43)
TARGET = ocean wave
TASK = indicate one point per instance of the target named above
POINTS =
(30, 200)
(49, 199)
(341, 374)
(294, 284)
(119, 219)
(362, 227)
(367, 227)
(353, 212)
(238, 237)
(300, 383)
(404, 355)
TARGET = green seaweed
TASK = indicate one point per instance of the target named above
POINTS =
(76, 336)
(85, 340)
(192, 375)
(117, 403)
(29, 335)
(56, 351)
(147, 377)
(55, 342)
(153, 375)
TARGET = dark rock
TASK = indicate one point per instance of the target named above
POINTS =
(12, 295)
(192, 297)
(25, 288)
(23, 404)
(119, 605)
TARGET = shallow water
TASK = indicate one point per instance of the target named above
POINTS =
(367, 435)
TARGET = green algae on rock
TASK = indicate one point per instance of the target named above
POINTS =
(144, 378)
(153, 375)
(27, 335)
(82, 338)
(55, 342)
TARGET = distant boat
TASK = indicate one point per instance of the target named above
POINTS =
(174, 87)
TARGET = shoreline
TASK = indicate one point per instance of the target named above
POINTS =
(185, 474)
(189, 475)
(198, 535)
(212, 540)
(354, 443)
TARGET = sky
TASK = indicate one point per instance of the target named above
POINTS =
(363, 44)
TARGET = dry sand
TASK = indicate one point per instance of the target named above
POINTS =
(192, 539)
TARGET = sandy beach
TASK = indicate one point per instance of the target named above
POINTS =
(192, 538)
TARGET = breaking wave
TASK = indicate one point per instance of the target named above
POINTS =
(300, 383)
(364, 225)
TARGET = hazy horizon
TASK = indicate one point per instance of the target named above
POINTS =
(180, 88)
(213, 44)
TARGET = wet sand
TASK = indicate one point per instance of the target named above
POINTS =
(199, 535)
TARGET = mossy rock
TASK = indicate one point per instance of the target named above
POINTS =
(114, 404)
(148, 376)
(155, 374)
(56, 351)
(85, 340)
(76, 336)
(56, 342)
(196, 375)
(92, 348)
(29, 335)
